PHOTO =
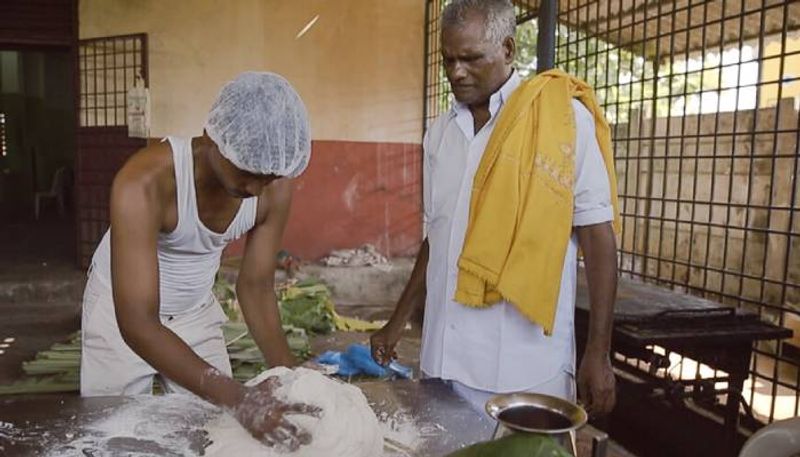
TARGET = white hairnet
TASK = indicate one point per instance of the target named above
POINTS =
(260, 124)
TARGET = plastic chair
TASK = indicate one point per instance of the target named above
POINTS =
(56, 192)
(778, 439)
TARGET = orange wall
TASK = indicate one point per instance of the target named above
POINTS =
(355, 193)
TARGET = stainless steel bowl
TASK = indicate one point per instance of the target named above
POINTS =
(574, 414)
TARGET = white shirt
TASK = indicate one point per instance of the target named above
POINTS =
(495, 349)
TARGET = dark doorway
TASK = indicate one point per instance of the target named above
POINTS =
(38, 138)
(37, 152)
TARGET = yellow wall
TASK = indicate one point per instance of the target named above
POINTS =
(194, 47)
(771, 68)
(359, 69)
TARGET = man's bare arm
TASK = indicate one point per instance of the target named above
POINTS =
(595, 378)
(384, 340)
(136, 215)
(255, 285)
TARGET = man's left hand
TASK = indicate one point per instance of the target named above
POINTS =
(596, 384)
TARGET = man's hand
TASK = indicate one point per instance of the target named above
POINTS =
(265, 416)
(383, 342)
(596, 384)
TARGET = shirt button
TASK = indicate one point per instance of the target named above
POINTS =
(452, 327)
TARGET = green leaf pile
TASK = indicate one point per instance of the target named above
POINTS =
(306, 309)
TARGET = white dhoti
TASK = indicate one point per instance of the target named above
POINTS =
(562, 385)
(110, 367)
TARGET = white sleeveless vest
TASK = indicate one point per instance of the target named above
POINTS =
(189, 256)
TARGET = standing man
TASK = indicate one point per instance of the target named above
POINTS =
(148, 308)
(479, 343)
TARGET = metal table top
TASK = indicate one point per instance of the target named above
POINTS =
(638, 301)
(648, 314)
(37, 425)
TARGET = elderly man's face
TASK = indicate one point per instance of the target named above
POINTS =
(475, 67)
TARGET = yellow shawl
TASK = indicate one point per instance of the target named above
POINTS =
(520, 217)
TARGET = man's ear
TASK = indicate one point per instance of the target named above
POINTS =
(509, 49)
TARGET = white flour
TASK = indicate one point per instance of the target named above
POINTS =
(181, 426)
(347, 426)
(167, 425)
(7, 432)
(401, 433)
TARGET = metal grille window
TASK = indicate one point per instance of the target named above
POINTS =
(109, 67)
(703, 98)
(702, 103)
(437, 91)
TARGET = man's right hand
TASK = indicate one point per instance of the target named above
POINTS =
(265, 417)
(383, 342)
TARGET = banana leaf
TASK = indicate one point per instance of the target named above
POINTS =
(515, 445)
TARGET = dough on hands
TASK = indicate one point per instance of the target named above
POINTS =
(347, 426)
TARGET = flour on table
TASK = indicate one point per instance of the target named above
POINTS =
(177, 425)
(146, 425)
(402, 435)
(347, 426)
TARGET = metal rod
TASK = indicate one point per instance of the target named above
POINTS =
(425, 66)
(546, 42)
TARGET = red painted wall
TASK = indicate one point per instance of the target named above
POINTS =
(355, 193)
